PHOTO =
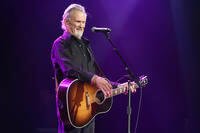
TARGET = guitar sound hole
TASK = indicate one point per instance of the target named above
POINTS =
(100, 97)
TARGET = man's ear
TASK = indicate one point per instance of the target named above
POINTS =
(66, 22)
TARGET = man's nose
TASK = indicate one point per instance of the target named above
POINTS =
(82, 25)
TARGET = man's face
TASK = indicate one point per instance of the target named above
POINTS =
(76, 23)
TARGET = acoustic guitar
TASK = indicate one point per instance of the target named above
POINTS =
(79, 102)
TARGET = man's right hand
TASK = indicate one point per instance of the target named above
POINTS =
(102, 84)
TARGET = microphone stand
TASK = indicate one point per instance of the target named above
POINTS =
(129, 108)
(131, 77)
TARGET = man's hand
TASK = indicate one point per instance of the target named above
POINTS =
(132, 87)
(102, 84)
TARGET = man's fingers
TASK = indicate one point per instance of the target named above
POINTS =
(133, 89)
(110, 86)
(103, 84)
(104, 92)
(108, 90)
(107, 86)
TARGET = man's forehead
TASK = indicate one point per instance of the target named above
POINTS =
(76, 14)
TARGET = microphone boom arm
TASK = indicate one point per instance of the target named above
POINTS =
(127, 69)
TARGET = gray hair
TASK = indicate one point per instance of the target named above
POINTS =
(66, 14)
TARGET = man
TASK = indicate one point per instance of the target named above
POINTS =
(72, 57)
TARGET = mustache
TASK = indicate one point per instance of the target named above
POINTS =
(79, 28)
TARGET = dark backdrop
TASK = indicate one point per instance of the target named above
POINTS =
(159, 39)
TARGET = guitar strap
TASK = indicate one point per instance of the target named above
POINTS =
(100, 71)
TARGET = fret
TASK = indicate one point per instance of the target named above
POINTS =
(124, 89)
(121, 88)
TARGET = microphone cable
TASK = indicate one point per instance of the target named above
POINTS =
(139, 103)
(138, 112)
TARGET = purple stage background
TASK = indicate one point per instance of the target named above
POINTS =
(157, 38)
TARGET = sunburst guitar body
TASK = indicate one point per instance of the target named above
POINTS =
(79, 102)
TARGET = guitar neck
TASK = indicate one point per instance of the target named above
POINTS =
(122, 88)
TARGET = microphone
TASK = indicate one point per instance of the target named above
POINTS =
(99, 29)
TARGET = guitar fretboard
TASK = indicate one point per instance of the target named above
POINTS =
(122, 88)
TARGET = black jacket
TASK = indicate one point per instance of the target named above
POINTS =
(73, 58)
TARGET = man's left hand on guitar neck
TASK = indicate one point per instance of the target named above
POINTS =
(105, 85)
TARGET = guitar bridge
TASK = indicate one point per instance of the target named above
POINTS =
(87, 100)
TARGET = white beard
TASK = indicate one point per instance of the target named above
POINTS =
(78, 33)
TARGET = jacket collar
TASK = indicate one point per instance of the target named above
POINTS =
(67, 35)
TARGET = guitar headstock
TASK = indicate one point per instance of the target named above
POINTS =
(143, 81)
